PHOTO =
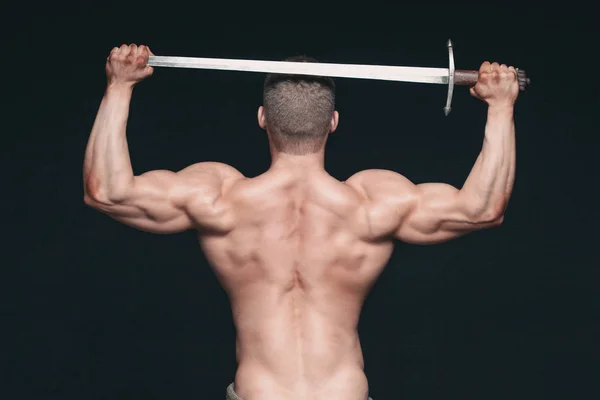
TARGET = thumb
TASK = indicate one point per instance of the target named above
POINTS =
(473, 92)
(149, 70)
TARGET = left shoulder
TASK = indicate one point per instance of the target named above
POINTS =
(207, 185)
(216, 175)
(218, 169)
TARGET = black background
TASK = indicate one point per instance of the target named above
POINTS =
(95, 310)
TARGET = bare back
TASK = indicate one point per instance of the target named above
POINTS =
(297, 267)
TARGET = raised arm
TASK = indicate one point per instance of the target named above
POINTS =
(436, 212)
(157, 201)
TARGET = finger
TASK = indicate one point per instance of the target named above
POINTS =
(131, 56)
(124, 50)
(141, 56)
(507, 74)
(495, 74)
(485, 67)
(504, 72)
(112, 53)
(144, 52)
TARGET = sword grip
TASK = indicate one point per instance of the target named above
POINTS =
(469, 78)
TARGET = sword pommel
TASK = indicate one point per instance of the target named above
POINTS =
(523, 79)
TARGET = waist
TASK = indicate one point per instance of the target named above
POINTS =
(345, 380)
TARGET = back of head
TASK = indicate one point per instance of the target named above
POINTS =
(298, 110)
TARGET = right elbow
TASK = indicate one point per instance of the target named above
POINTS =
(494, 220)
(491, 216)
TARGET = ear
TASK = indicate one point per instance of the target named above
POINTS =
(262, 122)
(335, 119)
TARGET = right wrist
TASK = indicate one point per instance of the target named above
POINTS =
(500, 109)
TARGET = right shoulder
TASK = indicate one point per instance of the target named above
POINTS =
(387, 197)
(380, 183)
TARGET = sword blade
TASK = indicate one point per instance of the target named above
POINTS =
(378, 72)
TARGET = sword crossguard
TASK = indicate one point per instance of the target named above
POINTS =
(469, 78)
(451, 72)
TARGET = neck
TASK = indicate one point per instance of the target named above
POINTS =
(304, 163)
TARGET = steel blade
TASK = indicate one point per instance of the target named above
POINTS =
(378, 72)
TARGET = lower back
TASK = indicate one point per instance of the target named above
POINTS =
(290, 348)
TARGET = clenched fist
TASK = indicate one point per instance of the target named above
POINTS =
(128, 64)
(497, 85)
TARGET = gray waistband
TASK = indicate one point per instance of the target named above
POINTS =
(231, 395)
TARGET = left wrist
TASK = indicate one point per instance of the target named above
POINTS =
(119, 87)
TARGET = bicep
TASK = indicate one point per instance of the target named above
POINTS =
(171, 202)
(154, 202)
(440, 213)
(420, 214)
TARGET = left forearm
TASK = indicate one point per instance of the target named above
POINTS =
(107, 167)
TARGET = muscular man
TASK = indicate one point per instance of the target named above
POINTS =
(295, 249)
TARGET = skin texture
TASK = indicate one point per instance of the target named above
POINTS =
(296, 250)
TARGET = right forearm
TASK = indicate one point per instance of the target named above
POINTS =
(489, 185)
(107, 166)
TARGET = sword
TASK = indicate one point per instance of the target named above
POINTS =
(445, 76)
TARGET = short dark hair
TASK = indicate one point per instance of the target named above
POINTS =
(298, 109)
